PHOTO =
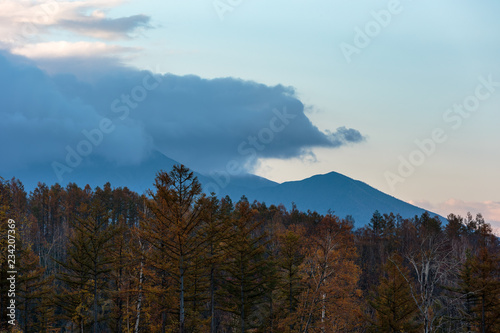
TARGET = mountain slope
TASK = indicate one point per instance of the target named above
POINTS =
(335, 192)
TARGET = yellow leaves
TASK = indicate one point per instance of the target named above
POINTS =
(330, 299)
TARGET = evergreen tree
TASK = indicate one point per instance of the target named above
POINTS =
(376, 223)
(395, 308)
(466, 291)
(245, 268)
(216, 235)
(480, 283)
(290, 260)
(87, 268)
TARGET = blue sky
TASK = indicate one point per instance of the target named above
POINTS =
(420, 61)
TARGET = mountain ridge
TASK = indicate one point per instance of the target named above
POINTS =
(337, 193)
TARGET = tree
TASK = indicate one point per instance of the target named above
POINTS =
(395, 309)
(87, 268)
(176, 207)
(376, 223)
(216, 234)
(329, 300)
(245, 267)
(290, 260)
(120, 256)
(34, 292)
(480, 287)
(431, 261)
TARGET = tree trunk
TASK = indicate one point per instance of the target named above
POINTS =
(120, 301)
(242, 308)
(26, 315)
(95, 303)
(139, 299)
(212, 301)
(483, 321)
(290, 291)
(323, 312)
(181, 308)
(163, 322)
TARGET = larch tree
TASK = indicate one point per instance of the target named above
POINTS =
(35, 293)
(176, 209)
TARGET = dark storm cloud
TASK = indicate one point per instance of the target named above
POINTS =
(202, 123)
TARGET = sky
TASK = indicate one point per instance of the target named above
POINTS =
(403, 95)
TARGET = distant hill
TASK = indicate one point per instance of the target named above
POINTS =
(321, 193)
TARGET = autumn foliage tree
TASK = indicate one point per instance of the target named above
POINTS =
(329, 301)
(176, 208)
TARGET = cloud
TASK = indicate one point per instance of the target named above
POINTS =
(63, 49)
(344, 135)
(98, 26)
(202, 123)
(38, 120)
(27, 22)
(207, 123)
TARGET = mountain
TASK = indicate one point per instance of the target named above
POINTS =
(322, 193)
(332, 191)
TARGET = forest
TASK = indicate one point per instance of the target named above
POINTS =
(178, 260)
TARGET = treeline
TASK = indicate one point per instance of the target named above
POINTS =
(176, 260)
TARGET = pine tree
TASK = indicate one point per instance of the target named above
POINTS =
(216, 235)
(466, 291)
(395, 308)
(88, 266)
(376, 223)
(245, 268)
(290, 260)
(484, 286)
